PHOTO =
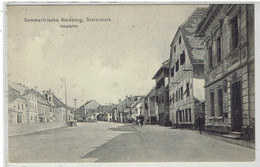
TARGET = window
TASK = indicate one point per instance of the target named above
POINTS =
(219, 49)
(18, 106)
(182, 58)
(162, 99)
(146, 106)
(172, 71)
(234, 32)
(174, 49)
(188, 89)
(181, 92)
(176, 95)
(180, 115)
(49, 98)
(212, 104)
(180, 40)
(210, 57)
(186, 114)
(220, 101)
(19, 118)
(189, 114)
(177, 66)
(183, 115)
(173, 98)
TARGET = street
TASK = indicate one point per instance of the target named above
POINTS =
(116, 142)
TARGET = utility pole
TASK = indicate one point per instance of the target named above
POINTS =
(75, 112)
(66, 101)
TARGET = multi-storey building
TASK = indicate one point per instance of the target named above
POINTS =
(59, 112)
(32, 101)
(161, 92)
(149, 102)
(89, 111)
(186, 72)
(44, 109)
(124, 109)
(228, 32)
(17, 107)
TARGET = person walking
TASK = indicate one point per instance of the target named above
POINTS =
(200, 122)
(141, 122)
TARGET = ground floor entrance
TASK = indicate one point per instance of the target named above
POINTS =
(236, 106)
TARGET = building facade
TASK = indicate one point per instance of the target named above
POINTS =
(161, 93)
(149, 102)
(186, 72)
(17, 107)
(228, 32)
(32, 101)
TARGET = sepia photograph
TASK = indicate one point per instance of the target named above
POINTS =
(129, 83)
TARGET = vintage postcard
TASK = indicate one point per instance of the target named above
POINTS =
(109, 83)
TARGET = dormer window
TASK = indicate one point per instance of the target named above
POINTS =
(174, 49)
(180, 40)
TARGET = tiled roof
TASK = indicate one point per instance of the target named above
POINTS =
(194, 44)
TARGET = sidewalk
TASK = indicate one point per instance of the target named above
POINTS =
(33, 128)
(244, 143)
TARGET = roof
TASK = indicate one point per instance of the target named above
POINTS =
(104, 108)
(91, 104)
(151, 92)
(13, 94)
(136, 104)
(17, 86)
(164, 68)
(111, 110)
(57, 102)
(32, 91)
(194, 44)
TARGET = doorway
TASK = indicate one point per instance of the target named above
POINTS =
(236, 107)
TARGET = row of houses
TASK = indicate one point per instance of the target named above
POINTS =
(210, 70)
(128, 110)
(27, 106)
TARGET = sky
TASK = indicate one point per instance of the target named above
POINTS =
(102, 61)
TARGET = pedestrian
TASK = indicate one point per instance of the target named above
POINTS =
(200, 122)
(141, 122)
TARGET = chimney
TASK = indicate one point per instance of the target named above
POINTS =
(43, 92)
(119, 100)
